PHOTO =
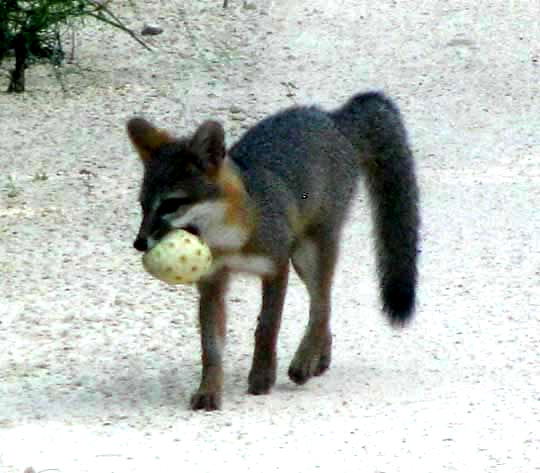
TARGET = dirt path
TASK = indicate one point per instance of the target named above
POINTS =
(99, 361)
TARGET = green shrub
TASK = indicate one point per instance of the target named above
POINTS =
(31, 29)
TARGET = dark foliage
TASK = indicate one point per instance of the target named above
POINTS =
(31, 30)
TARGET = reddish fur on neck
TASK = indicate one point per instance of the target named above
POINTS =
(238, 210)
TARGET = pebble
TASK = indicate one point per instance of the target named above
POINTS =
(235, 109)
(151, 30)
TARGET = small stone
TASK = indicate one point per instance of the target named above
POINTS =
(151, 30)
(235, 110)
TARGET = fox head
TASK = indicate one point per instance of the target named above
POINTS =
(189, 184)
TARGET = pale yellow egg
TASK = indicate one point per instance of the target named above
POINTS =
(179, 258)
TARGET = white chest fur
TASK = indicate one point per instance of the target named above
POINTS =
(253, 264)
(210, 219)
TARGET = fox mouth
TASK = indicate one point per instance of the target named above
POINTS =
(192, 229)
(145, 244)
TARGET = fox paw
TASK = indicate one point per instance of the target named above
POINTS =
(207, 401)
(309, 362)
(261, 381)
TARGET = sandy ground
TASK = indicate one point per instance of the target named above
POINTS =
(98, 361)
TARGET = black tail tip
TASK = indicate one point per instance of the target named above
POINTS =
(399, 303)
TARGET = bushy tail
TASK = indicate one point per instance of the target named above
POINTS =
(373, 124)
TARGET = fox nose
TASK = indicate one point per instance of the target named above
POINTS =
(141, 244)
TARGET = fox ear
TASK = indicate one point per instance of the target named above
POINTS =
(146, 137)
(208, 143)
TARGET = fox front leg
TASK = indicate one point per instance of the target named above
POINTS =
(263, 369)
(212, 320)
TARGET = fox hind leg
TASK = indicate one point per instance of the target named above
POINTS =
(314, 260)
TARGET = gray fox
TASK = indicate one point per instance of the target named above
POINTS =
(281, 194)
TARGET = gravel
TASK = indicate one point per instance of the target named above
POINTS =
(99, 360)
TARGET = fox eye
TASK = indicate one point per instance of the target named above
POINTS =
(169, 206)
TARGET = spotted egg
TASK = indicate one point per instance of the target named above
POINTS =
(178, 258)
